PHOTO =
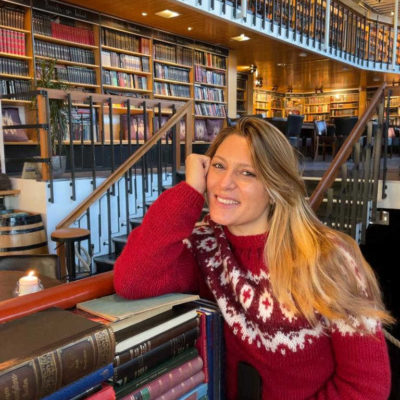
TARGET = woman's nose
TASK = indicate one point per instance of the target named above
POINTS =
(227, 180)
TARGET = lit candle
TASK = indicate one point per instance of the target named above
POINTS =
(28, 284)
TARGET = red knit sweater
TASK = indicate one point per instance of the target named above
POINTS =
(295, 361)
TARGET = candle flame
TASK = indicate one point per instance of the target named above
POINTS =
(31, 273)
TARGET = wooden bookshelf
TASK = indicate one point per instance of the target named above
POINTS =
(15, 50)
(241, 93)
(173, 70)
(72, 43)
(125, 60)
(210, 78)
(344, 105)
(317, 107)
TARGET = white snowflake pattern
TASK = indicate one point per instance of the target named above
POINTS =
(265, 306)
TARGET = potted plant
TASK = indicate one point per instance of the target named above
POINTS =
(58, 122)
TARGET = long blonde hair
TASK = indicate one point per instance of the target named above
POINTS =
(311, 266)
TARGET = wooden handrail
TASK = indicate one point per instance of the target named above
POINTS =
(66, 295)
(343, 154)
(77, 96)
(123, 168)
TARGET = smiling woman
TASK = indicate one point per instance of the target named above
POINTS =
(302, 308)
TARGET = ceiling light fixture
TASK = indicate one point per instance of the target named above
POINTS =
(241, 38)
(144, 14)
(189, 28)
(281, 64)
(167, 14)
(303, 54)
(392, 13)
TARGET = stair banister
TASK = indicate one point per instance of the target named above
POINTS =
(123, 168)
(345, 150)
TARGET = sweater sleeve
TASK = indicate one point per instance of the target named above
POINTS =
(362, 368)
(155, 261)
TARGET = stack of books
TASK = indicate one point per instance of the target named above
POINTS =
(155, 354)
(54, 355)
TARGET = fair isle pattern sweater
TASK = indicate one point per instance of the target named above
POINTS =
(295, 361)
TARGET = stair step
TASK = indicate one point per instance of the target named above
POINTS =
(135, 222)
(105, 263)
(119, 243)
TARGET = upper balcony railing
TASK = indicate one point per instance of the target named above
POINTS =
(355, 36)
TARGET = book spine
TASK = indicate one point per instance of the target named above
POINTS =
(198, 393)
(138, 366)
(83, 384)
(167, 381)
(156, 341)
(155, 373)
(106, 393)
(46, 373)
(183, 387)
(201, 344)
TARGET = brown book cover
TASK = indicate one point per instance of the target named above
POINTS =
(48, 350)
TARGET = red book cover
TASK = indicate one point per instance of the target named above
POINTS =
(1, 40)
(201, 344)
(184, 387)
(168, 380)
(106, 393)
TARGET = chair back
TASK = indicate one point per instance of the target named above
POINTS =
(344, 125)
(294, 125)
(280, 123)
(44, 264)
(320, 128)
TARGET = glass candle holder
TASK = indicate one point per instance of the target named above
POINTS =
(28, 284)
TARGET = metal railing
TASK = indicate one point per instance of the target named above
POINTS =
(353, 36)
(346, 197)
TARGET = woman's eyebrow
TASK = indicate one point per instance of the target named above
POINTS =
(239, 164)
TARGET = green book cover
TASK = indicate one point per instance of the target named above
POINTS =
(155, 373)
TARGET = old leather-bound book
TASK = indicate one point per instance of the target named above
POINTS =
(42, 352)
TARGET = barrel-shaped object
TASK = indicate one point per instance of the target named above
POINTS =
(22, 233)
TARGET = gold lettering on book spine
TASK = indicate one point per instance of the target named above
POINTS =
(105, 346)
(48, 369)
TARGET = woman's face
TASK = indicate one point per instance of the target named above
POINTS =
(236, 197)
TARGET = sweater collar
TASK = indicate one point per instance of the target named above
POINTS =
(246, 242)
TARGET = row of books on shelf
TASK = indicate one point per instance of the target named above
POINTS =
(168, 347)
(208, 93)
(71, 74)
(122, 40)
(13, 67)
(62, 52)
(178, 55)
(44, 25)
(209, 59)
(202, 75)
(10, 16)
(113, 59)
(124, 80)
(11, 86)
(213, 110)
(171, 89)
(162, 71)
(12, 42)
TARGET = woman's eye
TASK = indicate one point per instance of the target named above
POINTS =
(217, 165)
(248, 173)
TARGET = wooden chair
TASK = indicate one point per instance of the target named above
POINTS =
(323, 140)
(44, 264)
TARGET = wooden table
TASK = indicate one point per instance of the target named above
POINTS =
(9, 279)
